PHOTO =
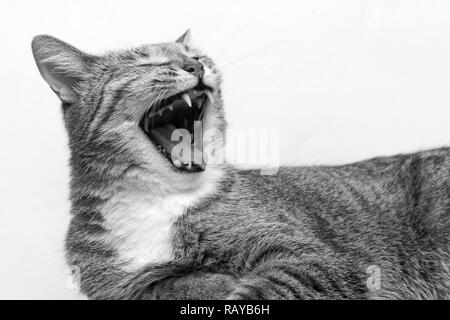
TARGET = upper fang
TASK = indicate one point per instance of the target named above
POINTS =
(210, 96)
(186, 98)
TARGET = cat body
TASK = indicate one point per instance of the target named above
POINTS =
(143, 227)
(305, 233)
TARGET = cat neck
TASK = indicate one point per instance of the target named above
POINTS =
(140, 220)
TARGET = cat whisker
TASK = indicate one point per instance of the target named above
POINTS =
(242, 58)
(232, 40)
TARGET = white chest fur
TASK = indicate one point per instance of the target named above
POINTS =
(140, 226)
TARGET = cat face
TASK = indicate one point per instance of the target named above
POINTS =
(137, 113)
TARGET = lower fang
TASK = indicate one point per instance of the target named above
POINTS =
(177, 163)
(210, 96)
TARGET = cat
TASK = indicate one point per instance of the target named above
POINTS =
(146, 225)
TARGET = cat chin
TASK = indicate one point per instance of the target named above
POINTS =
(174, 183)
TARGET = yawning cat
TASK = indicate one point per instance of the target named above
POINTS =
(150, 221)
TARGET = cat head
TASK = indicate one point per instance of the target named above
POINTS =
(136, 113)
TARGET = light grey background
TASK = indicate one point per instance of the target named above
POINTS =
(342, 80)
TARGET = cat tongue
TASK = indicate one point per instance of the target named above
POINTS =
(163, 136)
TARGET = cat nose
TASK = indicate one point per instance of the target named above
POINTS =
(194, 67)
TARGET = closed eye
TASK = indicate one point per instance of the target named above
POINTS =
(163, 64)
(198, 57)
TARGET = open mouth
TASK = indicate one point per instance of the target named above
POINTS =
(182, 112)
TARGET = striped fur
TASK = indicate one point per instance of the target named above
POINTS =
(140, 230)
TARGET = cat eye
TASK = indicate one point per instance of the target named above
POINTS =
(198, 57)
(163, 64)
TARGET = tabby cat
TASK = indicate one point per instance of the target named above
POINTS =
(146, 225)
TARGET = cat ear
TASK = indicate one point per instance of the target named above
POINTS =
(61, 65)
(185, 39)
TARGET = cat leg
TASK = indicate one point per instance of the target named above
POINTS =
(175, 281)
(297, 279)
(201, 286)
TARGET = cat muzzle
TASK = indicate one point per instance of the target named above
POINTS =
(175, 125)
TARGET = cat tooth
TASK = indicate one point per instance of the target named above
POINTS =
(210, 96)
(160, 112)
(177, 163)
(170, 107)
(186, 98)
